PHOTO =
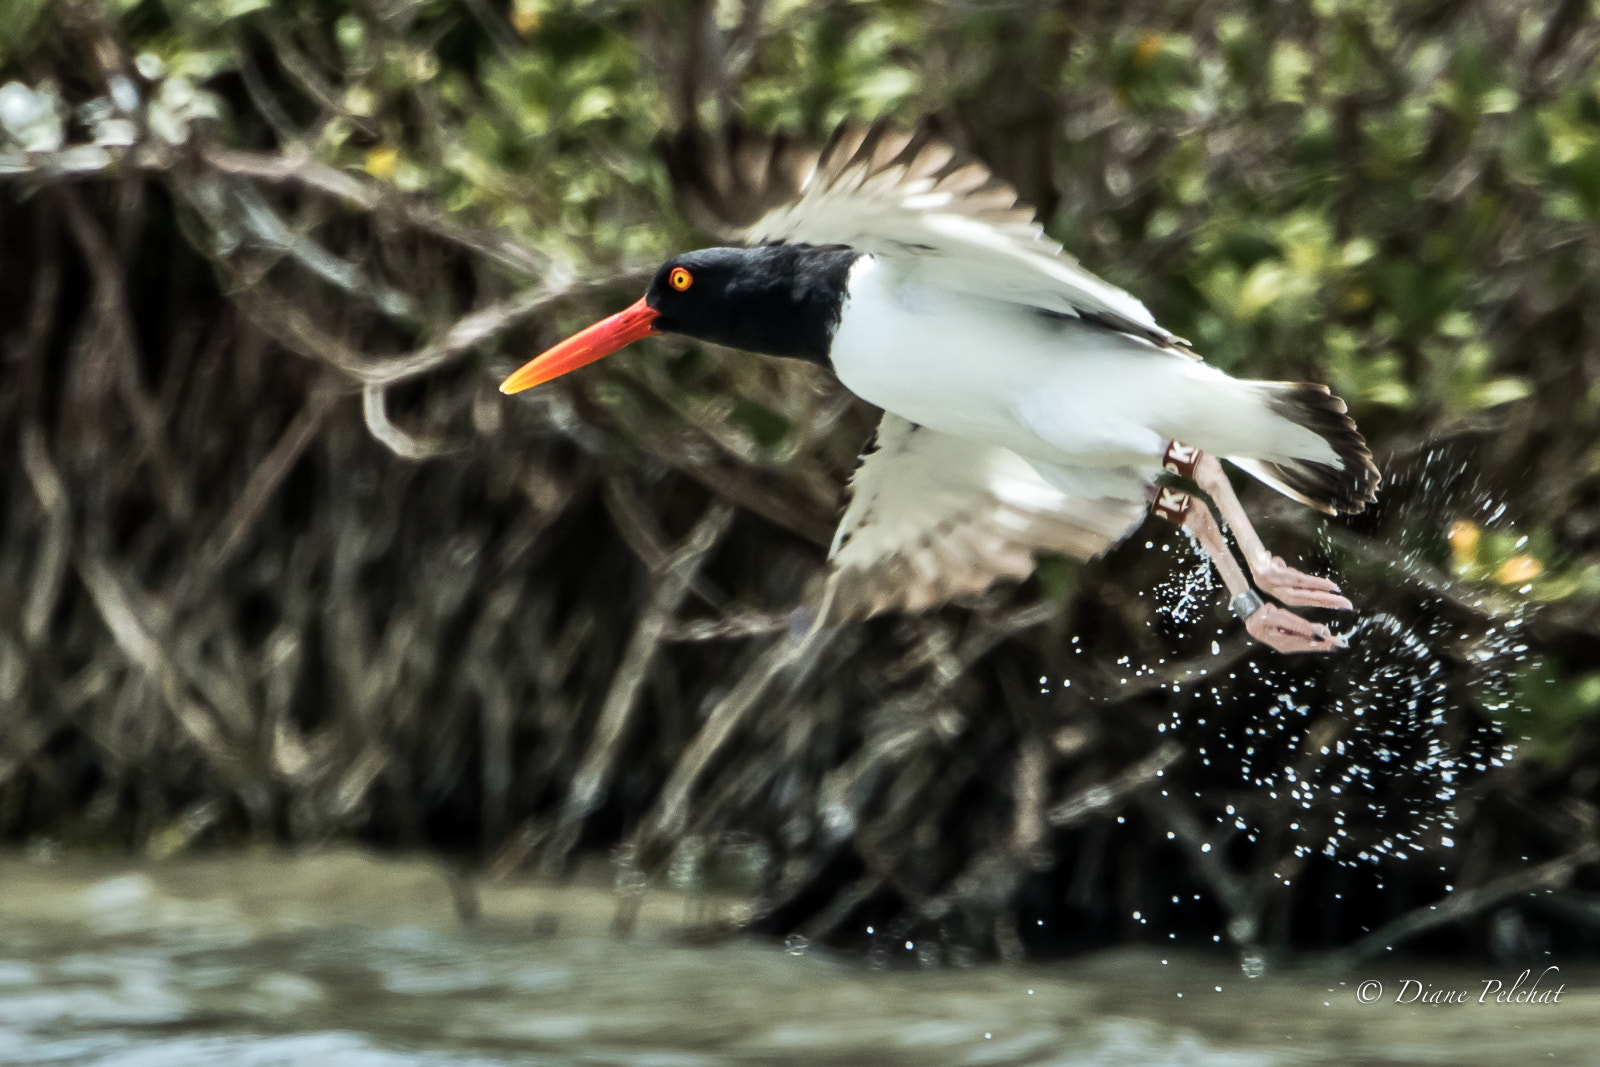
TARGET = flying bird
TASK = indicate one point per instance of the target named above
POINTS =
(1029, 406)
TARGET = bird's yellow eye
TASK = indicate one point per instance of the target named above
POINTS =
(680, 279)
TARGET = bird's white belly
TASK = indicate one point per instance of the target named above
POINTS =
(998, 373)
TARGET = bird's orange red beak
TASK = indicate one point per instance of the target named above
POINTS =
(599, 340)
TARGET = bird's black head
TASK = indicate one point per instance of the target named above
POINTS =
(777, 300)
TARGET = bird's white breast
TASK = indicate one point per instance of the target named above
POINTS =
(1050, 388)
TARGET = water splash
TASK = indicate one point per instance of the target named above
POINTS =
(1189, 591)
(1363, 755)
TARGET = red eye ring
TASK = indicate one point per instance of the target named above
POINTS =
(680, 279)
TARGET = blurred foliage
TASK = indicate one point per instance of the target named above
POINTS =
(1399, 199)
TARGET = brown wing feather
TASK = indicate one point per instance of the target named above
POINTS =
(729, 183)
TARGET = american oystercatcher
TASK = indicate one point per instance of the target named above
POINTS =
(1029, 406)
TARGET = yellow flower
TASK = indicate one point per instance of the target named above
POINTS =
(525, 16)
(1464, 541)
(381, 162)
(1518, 569)
(1356, 298)
(1149, 46)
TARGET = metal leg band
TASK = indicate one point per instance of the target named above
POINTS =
(1247, 604)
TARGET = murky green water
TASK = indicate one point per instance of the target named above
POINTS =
(339, 958)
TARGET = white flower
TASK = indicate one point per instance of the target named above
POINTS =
(32, 117)
(177, 104)
(124, 93)
(116, 133)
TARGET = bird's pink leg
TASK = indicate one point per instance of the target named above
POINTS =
(1271, 573)
(1273, 626)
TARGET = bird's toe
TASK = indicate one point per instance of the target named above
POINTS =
(1299, 588)
(1287, 632)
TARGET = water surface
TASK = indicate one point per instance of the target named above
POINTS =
(336, 958)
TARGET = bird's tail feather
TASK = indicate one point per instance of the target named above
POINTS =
(1347, 488)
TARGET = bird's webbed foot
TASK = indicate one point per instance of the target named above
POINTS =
(1274, 626)
(1281, 581)
(1271, 574)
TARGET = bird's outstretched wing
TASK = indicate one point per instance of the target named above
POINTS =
(909, 198)
(933, 516)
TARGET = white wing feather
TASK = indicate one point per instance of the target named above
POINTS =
(917, 228)
(933, 516)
